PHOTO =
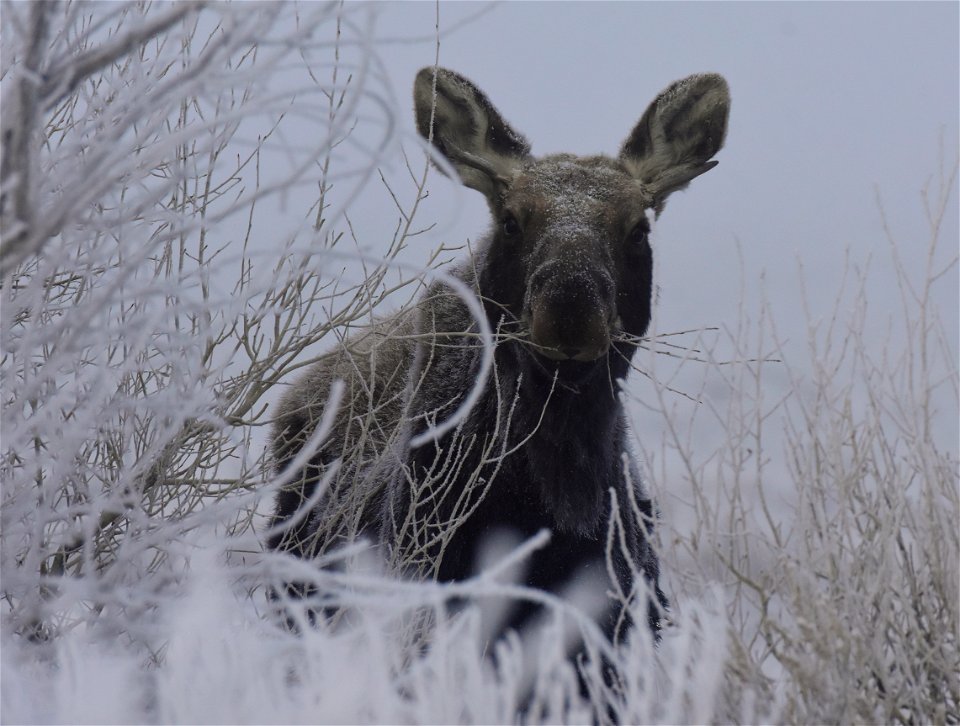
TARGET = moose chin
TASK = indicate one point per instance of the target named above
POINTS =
(565, 280)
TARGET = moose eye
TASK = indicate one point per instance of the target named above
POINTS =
(511, 228)
(639, 231)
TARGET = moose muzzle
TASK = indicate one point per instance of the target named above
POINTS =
(570, 316)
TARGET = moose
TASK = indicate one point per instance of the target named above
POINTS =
(565, 282)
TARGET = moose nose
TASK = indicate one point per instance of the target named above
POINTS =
(570, 309)
(559, 337)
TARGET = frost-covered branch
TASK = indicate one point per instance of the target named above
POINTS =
(828, 508)
(153, 301)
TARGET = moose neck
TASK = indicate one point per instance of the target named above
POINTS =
(575, 416)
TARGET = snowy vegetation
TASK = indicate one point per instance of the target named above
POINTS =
(811, 548)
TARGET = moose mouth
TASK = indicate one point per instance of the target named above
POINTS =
(569, 345)
(562, 340)
(564, 368)
(581, 354)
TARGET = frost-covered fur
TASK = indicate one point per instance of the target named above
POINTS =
(565, 277)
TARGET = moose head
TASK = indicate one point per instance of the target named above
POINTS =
(569, 261)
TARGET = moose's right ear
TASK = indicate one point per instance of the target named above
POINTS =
(465, 127)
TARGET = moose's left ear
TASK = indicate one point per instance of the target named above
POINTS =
(678, 134)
